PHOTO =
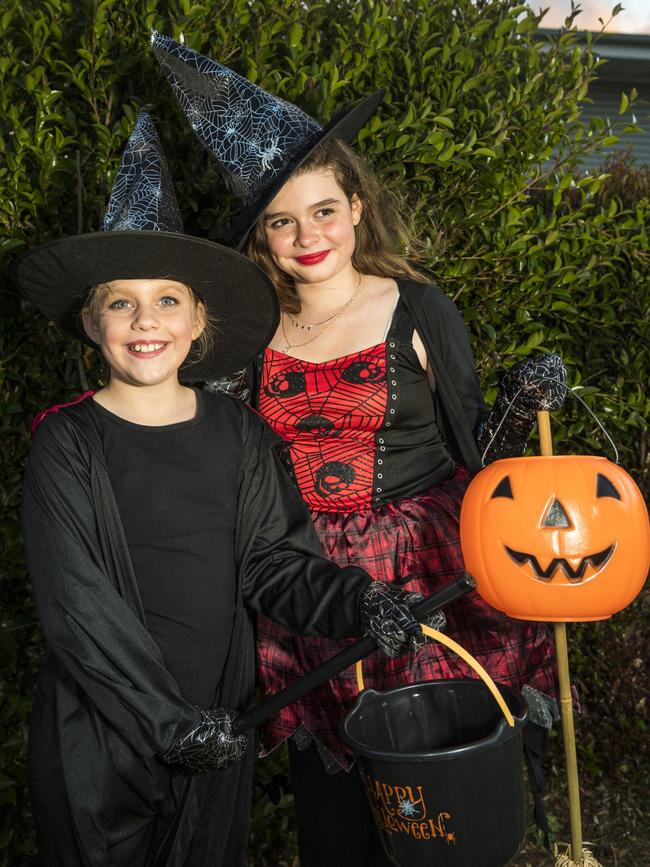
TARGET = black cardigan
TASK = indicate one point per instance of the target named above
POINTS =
(458, 398)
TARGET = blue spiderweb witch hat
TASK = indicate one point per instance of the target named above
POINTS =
(142, 237)
(258, 139)
(143, 197)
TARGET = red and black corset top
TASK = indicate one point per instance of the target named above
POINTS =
(360, 429)
(328, 413)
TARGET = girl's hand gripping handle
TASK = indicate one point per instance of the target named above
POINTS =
(211, 745)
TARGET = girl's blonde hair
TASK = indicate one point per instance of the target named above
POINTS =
(381, 234)
(203, 344)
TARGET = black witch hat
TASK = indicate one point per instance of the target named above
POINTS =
(258, 139)
(142, 237)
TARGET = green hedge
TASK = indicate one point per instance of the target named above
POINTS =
(480, 134)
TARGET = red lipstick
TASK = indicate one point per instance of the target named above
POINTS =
(313, 258)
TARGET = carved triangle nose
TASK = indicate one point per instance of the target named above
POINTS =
(556, 516)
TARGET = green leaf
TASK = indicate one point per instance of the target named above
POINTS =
(443, 121)
(295, 35)
(484, 152)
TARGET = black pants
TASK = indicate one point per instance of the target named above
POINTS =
(335, 825)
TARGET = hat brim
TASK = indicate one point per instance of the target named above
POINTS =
(344, 125)
(57, 275)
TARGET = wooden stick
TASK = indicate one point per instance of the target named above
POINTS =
(566, 703)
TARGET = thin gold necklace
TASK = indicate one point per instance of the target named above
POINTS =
(303, 325)
(325, 324)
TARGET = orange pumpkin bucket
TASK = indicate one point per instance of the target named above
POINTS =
(557, 538)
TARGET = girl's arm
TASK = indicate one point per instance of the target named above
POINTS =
(467, 426)
(531, 385)
(84, 590)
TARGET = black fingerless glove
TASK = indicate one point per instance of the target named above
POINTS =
(211, 745)
(532, 385)
(386, 618)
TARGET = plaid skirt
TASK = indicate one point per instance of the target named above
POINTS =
(416, 536)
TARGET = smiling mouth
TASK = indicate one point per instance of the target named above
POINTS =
(147, 349)
(313, 258)
(573, 574)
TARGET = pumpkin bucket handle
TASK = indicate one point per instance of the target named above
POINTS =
(569, 391)
(469, 659)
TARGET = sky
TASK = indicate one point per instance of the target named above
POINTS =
(635, 17)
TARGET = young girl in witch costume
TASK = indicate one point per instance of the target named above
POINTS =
(154, 516)
(370, 380)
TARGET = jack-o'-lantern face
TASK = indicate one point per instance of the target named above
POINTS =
(556, 538)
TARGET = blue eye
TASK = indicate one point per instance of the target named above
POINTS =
(120, 304)
(168, 301)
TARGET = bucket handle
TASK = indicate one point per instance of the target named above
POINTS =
(469, 659)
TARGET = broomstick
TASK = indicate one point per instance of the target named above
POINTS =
(574, 855)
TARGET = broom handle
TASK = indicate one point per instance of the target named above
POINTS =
(566, 704)
(322, 673)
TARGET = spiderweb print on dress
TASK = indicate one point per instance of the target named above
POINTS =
(143, 196)
(252, 133)
(329, 414)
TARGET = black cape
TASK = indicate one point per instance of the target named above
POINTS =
(106, 706)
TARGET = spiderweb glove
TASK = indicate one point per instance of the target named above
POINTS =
(532, 385)
(236, 385)
(210, 746)
(386, 618)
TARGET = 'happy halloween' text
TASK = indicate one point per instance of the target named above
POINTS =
(403, 810)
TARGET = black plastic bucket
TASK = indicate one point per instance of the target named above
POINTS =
(443, 771)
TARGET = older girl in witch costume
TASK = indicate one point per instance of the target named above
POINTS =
(153, 516)
(370, 380)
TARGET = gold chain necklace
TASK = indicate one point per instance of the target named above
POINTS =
(304, 327)
(325, 324)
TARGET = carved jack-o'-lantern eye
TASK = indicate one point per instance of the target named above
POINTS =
(605, 488)
(503, 489)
